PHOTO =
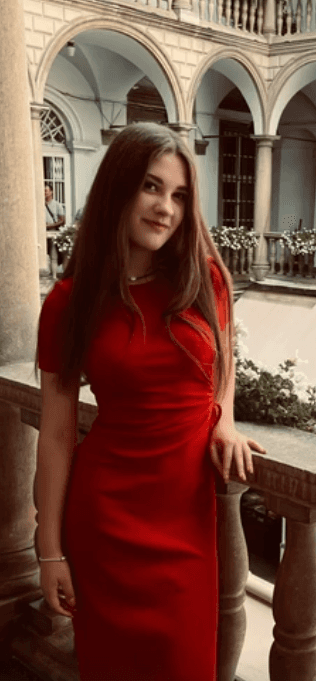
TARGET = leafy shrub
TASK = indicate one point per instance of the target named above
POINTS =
(280, 396)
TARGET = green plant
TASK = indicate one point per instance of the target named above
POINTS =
(234, 237)
(280, 396)
(65, 239)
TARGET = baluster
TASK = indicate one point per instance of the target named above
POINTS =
(244, 15)
(282, 263)
(250, 259)
(236, 13)
(235, 258)
(293, 653)
(260, 17)
(272, 255)
(202, 9)
(299, 16)
(253, 7)
(210, 10)
(228, 12)
(308, 15)
(242, 261)
(289, 18)
(310, 264)
(279, 17)
(301, 262)
(233, 572)
(291, 264)
(219, 11)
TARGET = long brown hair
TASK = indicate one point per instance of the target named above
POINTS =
(99, 260)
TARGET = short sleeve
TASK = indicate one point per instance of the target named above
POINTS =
(49, 333)
(221, 293)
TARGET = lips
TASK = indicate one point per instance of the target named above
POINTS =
(156, 225)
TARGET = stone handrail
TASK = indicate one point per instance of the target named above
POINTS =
(282, 261)
(287, 477)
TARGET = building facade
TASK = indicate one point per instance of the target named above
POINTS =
(238, 76)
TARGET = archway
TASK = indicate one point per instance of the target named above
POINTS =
(228, 109)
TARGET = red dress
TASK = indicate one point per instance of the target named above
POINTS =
(140, 515)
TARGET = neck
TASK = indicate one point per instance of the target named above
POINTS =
(140, 262)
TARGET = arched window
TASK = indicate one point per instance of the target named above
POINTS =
(56, 164)
(52, 129)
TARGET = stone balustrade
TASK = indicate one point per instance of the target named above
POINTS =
(253, 18)
(286, 476)
(293, 19)
(238, 262)
(283, 262)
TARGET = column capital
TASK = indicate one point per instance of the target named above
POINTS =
(182, 128)
(265, 140)
(37, 109)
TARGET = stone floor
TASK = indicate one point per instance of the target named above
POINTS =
(254, 660)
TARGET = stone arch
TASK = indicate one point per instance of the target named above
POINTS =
(243, 73)
(32, 87)
(170, 83)
(290, 80)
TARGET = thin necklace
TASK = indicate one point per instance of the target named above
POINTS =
(143, 276)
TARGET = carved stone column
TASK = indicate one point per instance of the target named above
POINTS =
(233, 573)
(293, 653)
(36, 110)
(263, 190)
(19, 308)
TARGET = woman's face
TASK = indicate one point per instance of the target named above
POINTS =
(159, 205)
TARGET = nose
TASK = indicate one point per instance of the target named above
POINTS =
(164, 205)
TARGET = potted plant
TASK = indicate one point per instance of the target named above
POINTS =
(300, 243)
(64, 241)
(234, 238)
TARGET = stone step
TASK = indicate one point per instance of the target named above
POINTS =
(45, 644)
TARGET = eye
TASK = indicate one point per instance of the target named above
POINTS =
(150, 186)
(181, 196)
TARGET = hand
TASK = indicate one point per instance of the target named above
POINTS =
(57, 587)
(228, 445)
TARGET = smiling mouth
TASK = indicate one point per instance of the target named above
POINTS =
(156, 225)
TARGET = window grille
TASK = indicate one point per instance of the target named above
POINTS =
(52, 129)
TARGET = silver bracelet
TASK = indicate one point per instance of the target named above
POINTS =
(52, 560)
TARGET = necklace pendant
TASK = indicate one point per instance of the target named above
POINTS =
(132, 278)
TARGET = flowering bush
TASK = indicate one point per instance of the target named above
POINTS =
(65, 239)
(279, 395)
(234, 237)
(300, 242)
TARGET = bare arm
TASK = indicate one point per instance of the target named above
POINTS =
(56, 225)
(56, 443)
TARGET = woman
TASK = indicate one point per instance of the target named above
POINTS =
(144, 311)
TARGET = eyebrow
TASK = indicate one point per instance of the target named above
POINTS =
(159, 181)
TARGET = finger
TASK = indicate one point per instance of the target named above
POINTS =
(227, 460)
(216, 460)
(67, 594)
(247, 457)
(255, 446)
(239, 460)
(54, 603)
